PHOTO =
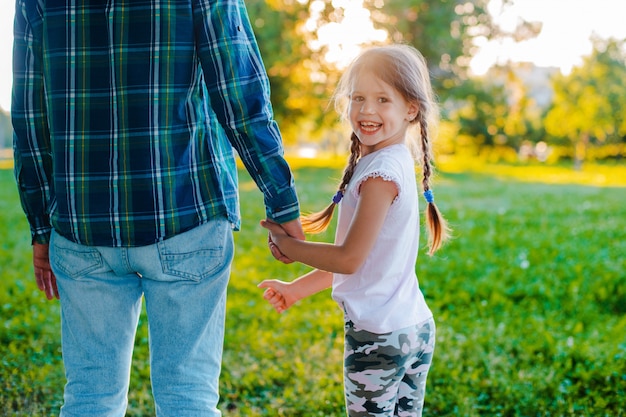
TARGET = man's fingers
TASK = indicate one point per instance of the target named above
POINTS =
(39, 279)
(54, 290)
(47, 283)
(269, 225)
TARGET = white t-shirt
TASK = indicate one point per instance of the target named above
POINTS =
(384, 295)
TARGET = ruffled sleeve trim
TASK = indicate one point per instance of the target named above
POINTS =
(378, 174)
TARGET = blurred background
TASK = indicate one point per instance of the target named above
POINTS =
(517, 79)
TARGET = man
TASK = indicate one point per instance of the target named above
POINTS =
(125, 115)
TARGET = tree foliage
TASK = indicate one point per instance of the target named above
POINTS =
(300, 79)
(589, 103)
(276, 28)
(495, 111)
(442, 30)
(303, 81)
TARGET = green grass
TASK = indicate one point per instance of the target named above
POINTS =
(529, 300)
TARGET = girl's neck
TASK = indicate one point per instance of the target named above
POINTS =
(366, 150)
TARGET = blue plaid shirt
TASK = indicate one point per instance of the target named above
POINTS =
(126, 113)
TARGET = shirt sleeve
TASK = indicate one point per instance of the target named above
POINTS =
(238, 89)
(31, 138)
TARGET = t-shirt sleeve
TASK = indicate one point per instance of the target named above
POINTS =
(389, 169)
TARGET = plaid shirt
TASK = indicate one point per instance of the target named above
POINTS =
(126, 113)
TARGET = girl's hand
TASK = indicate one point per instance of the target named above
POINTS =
(278, 294)
(274, 249)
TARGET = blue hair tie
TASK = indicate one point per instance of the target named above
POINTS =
(428, 195)
(337, 197)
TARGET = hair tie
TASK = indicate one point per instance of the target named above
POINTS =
(337, 197)
(428, 195)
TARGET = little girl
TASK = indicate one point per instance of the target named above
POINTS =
(389, 329)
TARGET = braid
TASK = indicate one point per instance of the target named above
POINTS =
(355, 154)
(318, 222)
(426, 154)
(438, 231)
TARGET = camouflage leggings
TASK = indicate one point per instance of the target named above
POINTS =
(385, 374)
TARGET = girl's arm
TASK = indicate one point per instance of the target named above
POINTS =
(376, 196)
(283, 295)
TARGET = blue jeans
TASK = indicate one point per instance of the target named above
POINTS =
(183, 280)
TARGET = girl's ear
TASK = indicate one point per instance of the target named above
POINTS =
(412, 112)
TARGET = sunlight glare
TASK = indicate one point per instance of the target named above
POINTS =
(6, 52)
(567, 26)
(344, 40)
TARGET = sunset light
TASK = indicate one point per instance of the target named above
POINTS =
(146, 134)
(567, 26)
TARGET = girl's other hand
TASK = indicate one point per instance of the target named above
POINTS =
(278, 294)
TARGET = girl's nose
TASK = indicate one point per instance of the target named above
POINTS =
(366, 108)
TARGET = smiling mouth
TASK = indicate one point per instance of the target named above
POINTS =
(369, 126)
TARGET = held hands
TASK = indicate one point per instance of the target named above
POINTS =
(281, 295)
(277, 231)
(46, 281)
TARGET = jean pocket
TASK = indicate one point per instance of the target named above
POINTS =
(72, 259)
(198, 253)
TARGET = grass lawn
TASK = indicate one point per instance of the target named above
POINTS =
(529, 300)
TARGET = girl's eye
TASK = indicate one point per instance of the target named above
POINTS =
(383, 100)
(357, 98)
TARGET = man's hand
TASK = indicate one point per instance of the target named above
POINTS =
(46, 281)
(294, 229)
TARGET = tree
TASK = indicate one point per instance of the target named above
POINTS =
(480, 115)
(445, 32)
(300, 99)
(589, 104)
(437, 28)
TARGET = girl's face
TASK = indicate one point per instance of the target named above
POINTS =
(378, 113)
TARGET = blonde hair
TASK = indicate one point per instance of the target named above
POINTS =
(403, 68)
